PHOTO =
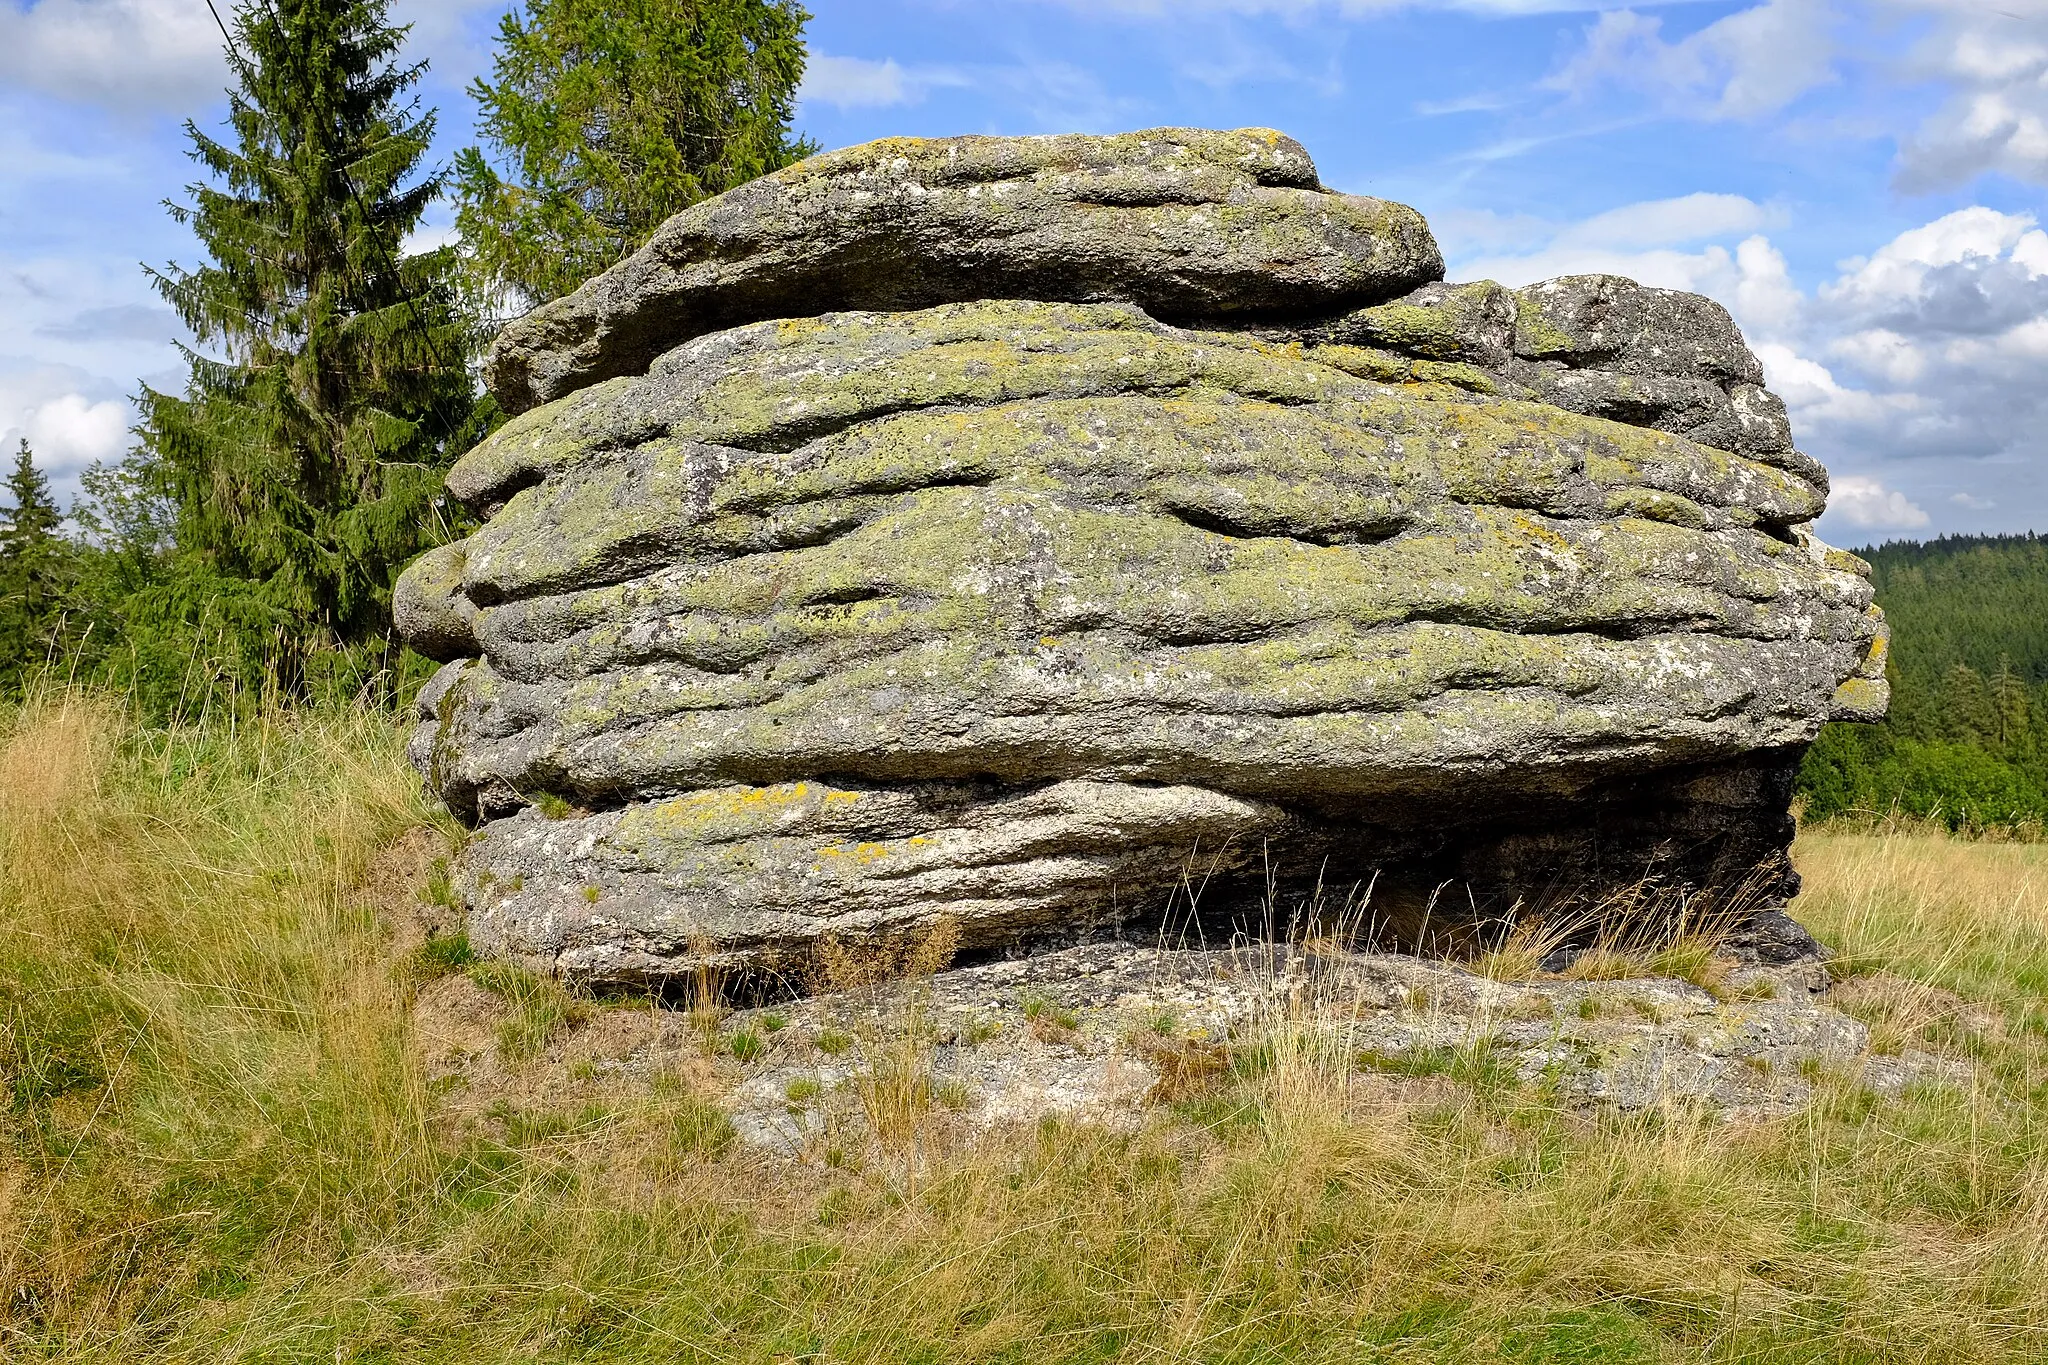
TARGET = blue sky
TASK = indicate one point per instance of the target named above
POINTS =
(1861, 183)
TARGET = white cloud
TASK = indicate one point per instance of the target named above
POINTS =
(70, 431)
(858, 83)
(1900, 268)
(1869, 504)
(67, 429)
(128, 55)
(1986, 63)
(1643, 241)
(69, 416)
(1972, 501)
(1993, 59)
(1752, 62)
(167, 56)
(1664, 222)
(854, 82)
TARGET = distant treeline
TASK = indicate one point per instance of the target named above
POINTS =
(1967, 739)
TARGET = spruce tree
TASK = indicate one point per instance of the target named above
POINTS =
(304, 460)
(35, 570)
(611, 115)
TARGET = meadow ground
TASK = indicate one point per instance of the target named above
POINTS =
(221, 1142)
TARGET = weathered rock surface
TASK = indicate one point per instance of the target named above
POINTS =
(1030, 613)
(1183, 222)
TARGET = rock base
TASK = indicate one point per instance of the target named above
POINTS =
(754, 882)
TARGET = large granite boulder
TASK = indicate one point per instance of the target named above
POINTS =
(1145, 527)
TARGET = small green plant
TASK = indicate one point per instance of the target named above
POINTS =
(1647, 1010)
(803, 1090)
(1589, 1006)
(440, 887)
(745, 1045)
(772, 1022)
(583, 1070)
(978, 1030)
(1038, 1007)
(593, 893)
(952, 1094)
(834, 1042)
(1050, 1021)
(443, 955)
(1187, 1067)
(1603, 963)
(896, 1091)
(552, 807)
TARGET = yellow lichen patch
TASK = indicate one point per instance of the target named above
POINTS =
(728, 812)
(1655, 505)
(1365, 362)
(1860, 699)
(1455, 375)
(1841, 561)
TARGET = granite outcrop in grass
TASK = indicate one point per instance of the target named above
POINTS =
(1038, 534)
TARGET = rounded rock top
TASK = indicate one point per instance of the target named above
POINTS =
(1189, 224)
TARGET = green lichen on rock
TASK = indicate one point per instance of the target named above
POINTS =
(1004, 608)
(1182, 222)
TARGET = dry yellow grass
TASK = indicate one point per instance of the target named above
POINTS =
(219, 1145)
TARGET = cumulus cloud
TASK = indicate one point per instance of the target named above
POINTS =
(1688, 218)
(1645, 241)
(67, 429)
(1987, 65)
(1993, 61)
(128, 55)
(1953, 316)
(1869, 505)
(1752, 62)
(71, 431)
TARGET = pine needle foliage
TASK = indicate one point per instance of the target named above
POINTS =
(36, 571)
(608, 116)
(304, 464)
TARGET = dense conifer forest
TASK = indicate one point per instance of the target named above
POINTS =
(1967, 739)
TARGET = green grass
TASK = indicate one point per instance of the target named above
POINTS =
(222, 1144)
